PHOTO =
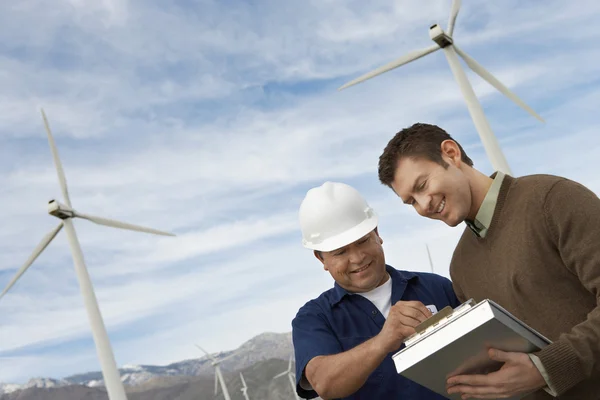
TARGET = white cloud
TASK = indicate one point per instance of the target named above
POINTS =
(213, 122)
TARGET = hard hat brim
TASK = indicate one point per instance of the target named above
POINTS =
(345, 238)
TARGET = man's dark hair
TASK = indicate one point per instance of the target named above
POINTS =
(418, 140)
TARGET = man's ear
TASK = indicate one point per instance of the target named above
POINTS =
(319, 256)
(451, 152)
(378, 237)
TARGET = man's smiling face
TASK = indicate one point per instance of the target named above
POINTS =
(358, 267)
(435, 191)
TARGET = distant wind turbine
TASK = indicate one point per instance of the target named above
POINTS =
(218, 375)
(244, 389)
(66, 214)
(445, 41)
(291, 376)
(429, 256)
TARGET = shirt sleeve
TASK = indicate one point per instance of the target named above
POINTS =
(572, 214)
(538, 364)
(312, 336)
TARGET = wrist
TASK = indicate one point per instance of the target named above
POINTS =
(382, 344)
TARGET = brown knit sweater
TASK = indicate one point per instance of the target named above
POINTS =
(540, 260)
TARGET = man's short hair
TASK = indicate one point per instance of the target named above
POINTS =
(418, 140)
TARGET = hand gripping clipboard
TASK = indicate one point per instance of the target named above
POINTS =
(455, 342)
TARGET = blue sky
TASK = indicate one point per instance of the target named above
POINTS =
(212, 120)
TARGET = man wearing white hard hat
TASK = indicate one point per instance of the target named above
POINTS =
(344, 339)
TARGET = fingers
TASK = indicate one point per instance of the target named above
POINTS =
(477, 392)
(414, 310)
(470, 380)
(476, 384)
(408, 320)
(420, 307)
(404, 316)
(503, 356)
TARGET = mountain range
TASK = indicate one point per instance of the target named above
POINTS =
(259, 359)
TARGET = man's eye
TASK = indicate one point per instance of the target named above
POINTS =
(340, 253)
(422, 185)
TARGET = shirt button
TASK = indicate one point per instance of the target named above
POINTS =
(374, 312)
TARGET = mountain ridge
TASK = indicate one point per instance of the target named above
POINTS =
(263, 347)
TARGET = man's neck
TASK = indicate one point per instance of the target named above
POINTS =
(480, 185)
(381, 283)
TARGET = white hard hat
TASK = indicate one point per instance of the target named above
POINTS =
(334, 215)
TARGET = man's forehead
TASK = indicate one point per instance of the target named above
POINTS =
(407, 170)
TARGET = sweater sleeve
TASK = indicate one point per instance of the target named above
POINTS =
(572, 215)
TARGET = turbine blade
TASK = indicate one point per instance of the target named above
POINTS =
(281, 374)
(228, 357)
(205, 352)
(453, 15)
(36, 252)
(122, 225)
(412, 56)
(486, 75)
(59, 169)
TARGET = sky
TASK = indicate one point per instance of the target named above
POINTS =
(211, 120)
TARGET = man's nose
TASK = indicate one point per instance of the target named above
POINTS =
(356, 256)
(423, 204)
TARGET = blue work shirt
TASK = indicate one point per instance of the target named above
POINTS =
(338, 321)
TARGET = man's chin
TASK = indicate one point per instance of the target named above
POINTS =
(452, 222)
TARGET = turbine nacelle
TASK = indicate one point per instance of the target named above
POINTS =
(437, 34)
(60, 210)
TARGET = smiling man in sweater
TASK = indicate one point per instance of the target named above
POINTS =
(532, 244)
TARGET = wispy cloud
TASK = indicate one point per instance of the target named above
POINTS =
(212, 120)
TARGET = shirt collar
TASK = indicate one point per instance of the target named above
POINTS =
(399, 281)
(483, 219)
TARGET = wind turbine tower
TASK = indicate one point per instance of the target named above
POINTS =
(218, 375)
(291, 376)
(244, 388)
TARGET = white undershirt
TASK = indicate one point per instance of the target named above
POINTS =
(381, 297)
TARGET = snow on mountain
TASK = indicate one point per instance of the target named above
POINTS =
(262, 347)
(43, 383)
(9, 387)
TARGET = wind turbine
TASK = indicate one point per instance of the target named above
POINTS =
(445, 41)
(244, 389)
(291, 377)
(66, 213)
(218, 375)
(429, 256)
